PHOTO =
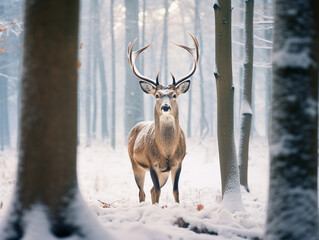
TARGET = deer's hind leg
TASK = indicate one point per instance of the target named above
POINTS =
(159, 179)
(139, 175)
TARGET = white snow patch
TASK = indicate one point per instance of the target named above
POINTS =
(106, 175)
(294, 53)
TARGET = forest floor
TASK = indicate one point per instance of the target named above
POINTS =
(107, 185)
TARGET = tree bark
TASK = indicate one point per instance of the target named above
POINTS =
(47, 152)
(225, 103)
(246, 110)
(293, 204)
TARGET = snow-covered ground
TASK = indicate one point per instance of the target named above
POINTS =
(107, 184)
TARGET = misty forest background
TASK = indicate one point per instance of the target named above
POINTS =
(110, 99)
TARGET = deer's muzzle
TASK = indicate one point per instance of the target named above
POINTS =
(166, 108)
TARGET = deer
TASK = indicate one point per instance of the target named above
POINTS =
(159, 146)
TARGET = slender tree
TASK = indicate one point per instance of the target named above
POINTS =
(204, 127)
(113, 64)
(4, 113)
(134, 104)
(99, 67)
(293, 204)
(268, 37)
(225, 112)
(46, 177)
(246, 111)
(88, 80)
(164, 52)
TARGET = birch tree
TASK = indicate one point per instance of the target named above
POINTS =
(46, 189)
(293, 204)
(225, 104)
(246, 110)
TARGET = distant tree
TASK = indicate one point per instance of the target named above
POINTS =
(204, 127)
(98, 67)
(46, 177)
(225, 103)
(88, 77)
(293, 205)
(246, 110)
(4, 62)
(113, 64)
(164, 52)
(134, 104)
(268, 37)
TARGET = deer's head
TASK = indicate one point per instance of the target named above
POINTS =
(165, 95)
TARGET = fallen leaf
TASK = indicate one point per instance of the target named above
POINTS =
(104, 204)
(200, 207)
(3, 29)
(79, 64)
(2, 50)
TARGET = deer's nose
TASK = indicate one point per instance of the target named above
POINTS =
(165, 108)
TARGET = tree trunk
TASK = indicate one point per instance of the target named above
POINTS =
(204, 127)
(88, 81)
(268, 36)
(164, 52)
(46, 177)
(104, 101)
(134, 104)
(225, 102)
(94, 95)
(113, 69)
(99, 66)
(246, 110)
(4, 111)
(293, 206)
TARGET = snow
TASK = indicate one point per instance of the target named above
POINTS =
(107, 185)
(294, 53)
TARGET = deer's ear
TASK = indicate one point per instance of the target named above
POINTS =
(183, 87)
(147, 88)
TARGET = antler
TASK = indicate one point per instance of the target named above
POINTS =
(131, 59)
(195, 54)
(133, 55)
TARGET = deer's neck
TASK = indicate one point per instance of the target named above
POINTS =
(167, 132)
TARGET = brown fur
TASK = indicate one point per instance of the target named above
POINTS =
(158, 146)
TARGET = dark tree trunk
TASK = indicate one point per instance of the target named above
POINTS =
(46, 176)
(293, 204)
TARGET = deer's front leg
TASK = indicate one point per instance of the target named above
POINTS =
(156, 190)
(176, 171)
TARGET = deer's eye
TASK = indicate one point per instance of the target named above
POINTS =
(157, 96)
(174, 96)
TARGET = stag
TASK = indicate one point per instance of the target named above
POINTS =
(159, 146)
